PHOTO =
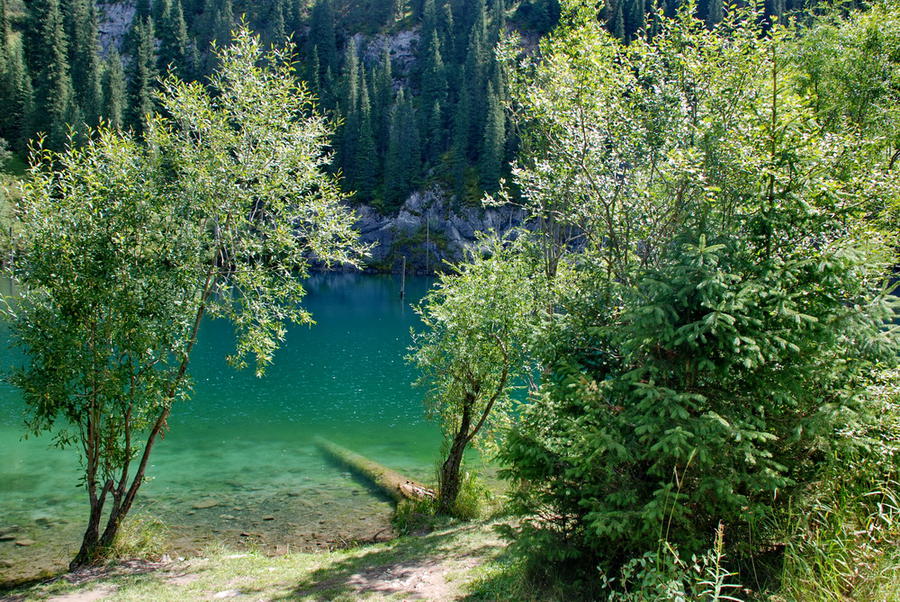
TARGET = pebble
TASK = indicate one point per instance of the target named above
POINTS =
(207, 503)
(228, 517)
(6, 564)
(25, 542)
(9, 537)
(268, 518)
(228, 593)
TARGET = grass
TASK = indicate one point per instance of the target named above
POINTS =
(440, 565)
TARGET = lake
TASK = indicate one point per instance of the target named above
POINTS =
(243, 446)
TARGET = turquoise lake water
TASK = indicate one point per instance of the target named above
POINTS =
(243, 445)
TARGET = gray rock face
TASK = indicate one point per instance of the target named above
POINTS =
(402, 46)
(428, 231)
(115, 21)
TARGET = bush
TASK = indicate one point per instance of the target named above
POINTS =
(720, 318)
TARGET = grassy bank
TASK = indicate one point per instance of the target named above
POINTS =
(443, 565)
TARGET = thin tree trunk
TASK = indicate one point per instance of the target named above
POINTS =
(93, 548)
(450, 478)
(90, 543)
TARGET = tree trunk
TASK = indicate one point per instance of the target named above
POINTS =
(90, 544)
(450, 478)
(87, 553)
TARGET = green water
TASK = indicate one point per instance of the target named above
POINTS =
(245, 443)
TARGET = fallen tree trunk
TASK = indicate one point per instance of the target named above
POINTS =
(390, 481)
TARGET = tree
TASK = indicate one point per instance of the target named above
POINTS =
(49, 62)
(365, 154)
(142, 76)
(125, 247)
(16, 99)
(174, 50)
(434, 76)
(493, 143)
(114, 90)
(473, 350)
(403, 156)
(322, 36)
(721, 302)
(84, 58)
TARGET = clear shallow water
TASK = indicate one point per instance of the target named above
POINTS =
(245, 444)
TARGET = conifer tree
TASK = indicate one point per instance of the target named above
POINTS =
(174, 53)
(365, 154)
(714, 12)
(492, 144)
(142, 76)
(114, 90)
(322, 35)
(224, 20)
(459, 144)
(313, 73)
(435, 132)
(434, 76)
(143, 9)
(84, 48)
(403, 159)
(4, 30)
(350, 88)
(447, 33)
(16, 98)
(382, 100)
(616, 18)
(53, 84)
(394, 186)
(278, 31)
(635, 18)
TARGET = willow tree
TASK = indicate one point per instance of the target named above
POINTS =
(126, 246)
(472, 352)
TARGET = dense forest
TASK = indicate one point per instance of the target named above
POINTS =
(415, 85)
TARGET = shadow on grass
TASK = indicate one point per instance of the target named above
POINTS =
(391, 570)
(106, 577)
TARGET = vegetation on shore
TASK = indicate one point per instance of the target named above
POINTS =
(687, 365)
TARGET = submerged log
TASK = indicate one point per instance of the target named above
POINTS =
(390, 481)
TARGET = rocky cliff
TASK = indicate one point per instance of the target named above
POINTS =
(428, 231)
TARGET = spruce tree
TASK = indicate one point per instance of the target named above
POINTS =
(16, 98)
(616, 18)
(322, 35)
(382, 100)
(394, 185)
(490, 161)
(278, 30)
(142, 77)
(434, 76)
(435, 134)
(403, 159)
(365, 156)
(174, 52)
(143, 9)
(84, 57)
(114, 90)
(4, 30)
(714, 12)
(459, 145)
(634, 20)
(224, 21)
(350, 110)
(54, 100)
